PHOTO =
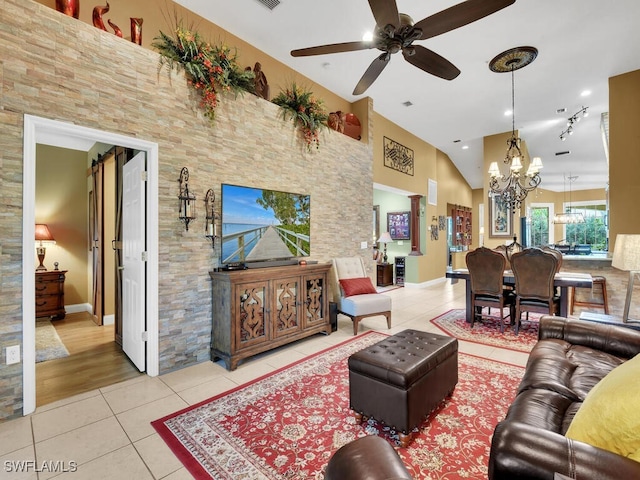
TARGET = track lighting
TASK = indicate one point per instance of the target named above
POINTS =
(575, 118)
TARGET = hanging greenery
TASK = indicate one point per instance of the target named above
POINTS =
(307, 113)
(210, 69)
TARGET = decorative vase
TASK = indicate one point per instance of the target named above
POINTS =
(116, 29)
(136, 30)
(97, 16)
(69, 7)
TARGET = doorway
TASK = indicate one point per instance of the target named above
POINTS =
(39, 130)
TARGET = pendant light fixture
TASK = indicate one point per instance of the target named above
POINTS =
(568, 217)
(514, 187)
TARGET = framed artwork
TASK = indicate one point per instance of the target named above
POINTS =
(398, 225)
(397, 156)
(500, 218)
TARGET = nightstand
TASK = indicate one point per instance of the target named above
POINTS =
(50, 294)
(384, 275)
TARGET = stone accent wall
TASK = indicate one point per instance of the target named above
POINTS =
(56, 67)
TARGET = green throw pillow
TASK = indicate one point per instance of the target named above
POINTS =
(609, 417)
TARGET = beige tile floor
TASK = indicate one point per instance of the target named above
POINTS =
(107, 432)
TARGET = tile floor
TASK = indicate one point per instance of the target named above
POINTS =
(106, 433)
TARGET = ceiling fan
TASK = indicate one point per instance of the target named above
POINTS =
(396, 31)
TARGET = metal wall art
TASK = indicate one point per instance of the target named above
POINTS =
(397, 156)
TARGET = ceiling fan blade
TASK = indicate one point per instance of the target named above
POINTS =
(431, 62)
(374, 70)
(332, 48)
(459, 15)
(385, 12)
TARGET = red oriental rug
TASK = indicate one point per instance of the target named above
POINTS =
(487, 330)
(286, 425)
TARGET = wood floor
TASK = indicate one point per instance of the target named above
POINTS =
(95, 361)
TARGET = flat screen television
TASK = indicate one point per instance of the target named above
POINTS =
(261, 225)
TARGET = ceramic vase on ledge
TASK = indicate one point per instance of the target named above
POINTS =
(69, 7)
(136, 30)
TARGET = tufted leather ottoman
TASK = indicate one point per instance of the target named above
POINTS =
(401, 379)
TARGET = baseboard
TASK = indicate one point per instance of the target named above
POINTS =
(429, 283)
(79, 307)
(87, 307)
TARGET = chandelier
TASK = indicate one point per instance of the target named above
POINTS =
(514, 187)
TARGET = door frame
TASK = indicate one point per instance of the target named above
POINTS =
(63, 134)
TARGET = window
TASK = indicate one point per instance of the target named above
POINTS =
(539, 226)
(594, 230)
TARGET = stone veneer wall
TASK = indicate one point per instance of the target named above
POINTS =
(56, 67)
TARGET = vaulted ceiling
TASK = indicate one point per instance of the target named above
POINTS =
(581, 44)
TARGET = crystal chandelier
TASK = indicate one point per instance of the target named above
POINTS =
(514, 187)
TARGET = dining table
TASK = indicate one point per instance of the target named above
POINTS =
(563, 280)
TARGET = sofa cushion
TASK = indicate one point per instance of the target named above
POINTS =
(357, 286)
(609, 417)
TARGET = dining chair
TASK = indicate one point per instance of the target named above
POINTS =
(486, 270)
(534, 271)
(508, 250)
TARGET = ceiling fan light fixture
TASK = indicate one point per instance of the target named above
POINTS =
(397, 31)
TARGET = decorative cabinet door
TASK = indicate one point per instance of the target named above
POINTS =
(252, 314)
(286, 316)
(314, 300)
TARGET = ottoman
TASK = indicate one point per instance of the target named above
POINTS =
(400, 380)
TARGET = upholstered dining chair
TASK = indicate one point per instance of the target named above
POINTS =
(534, 271)
(355, 294)
(508, 250)
(486, 270)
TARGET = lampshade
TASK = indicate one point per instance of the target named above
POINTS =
(626, 254)
(43, 234)
(385, 238)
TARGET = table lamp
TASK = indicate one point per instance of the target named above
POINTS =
(385, 238)
(43, 235)
(626, 256)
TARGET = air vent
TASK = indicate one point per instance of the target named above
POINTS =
(270, 4)
(566, 152)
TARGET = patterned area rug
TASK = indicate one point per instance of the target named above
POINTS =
(48, 343)
(487, 330)
(289, 423)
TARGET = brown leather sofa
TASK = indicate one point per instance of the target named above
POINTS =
(570, 357)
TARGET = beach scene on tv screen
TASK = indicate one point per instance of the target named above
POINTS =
(260, 224)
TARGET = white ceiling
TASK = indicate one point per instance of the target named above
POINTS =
(581, 44)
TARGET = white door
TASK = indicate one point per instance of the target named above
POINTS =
(133, 261)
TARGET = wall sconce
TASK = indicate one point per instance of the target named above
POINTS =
(187, 210)
(210, 222)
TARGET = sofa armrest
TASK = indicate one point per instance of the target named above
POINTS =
(617, 340)
(526, 452)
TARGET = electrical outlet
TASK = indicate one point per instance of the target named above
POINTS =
(364, 245)
(13, 354)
